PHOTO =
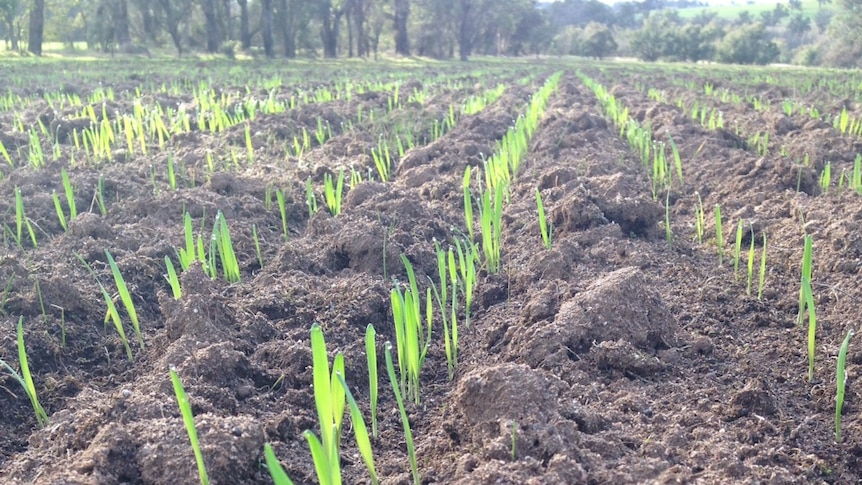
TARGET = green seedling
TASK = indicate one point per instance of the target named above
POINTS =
(699, 219)
(806, 274)
(310, 198)
(25, 379)
(22, 221)
(491, 225)
(70, 194)
(408, 435)
(332, 193)
(468, 203)
(719, 237)
(762, 282)
(812, 324)
(187, 255)
(546, 228)
(112, 314)
(60, 215)
(371, 358)
(840, 382)
(736, 250)
(276, 472)
(282, 209)
(256, 245)
(172, 278)
(125, 297)
(189, 421)
(360, 432)
(329, 399)
(222, 244)
(668, 232)
(750, 266)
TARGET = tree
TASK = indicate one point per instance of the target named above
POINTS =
(173, 14)
(37, 27)
(845, 32)
(598, 41)
(657, 38)
(213, 27)
(266, 27)
(748, 44)
(399, 21)
(12, 11)
(822, 19)
(799, 24)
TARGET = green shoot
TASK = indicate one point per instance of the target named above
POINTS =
(332, 193)
(279, 195)
(70, 194)
(276, 472)
(187, 254)
(21, 220)
(546, 229)
(490, 217)
(25, 378)
(172, 278)
(750, 264)
(408, 435)
(699, 219)
(256, 245)
(359, 431)
(60, 215)
(310, 198)
(840, 382)
(248, 144)
(736, 250)
(371, 357)
(99, 196)
(762, 281)
(468, 203)
(806, 274)
(189, 421)
(719, 237)
(112, 314)
(330, 403)
(812, 324)
(668, 232)
(222, 243)
(125, 297)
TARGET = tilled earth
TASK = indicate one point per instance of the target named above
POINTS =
(610, 358)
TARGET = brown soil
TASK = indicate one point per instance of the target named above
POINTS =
(610, 358)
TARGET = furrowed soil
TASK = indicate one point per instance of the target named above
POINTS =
(613, 357)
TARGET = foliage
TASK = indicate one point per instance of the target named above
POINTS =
(748, 44)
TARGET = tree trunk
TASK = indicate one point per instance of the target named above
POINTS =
(226, 20)
(402, 14)
(37, 25)
(328, 30)
(212, 25)
(121, 22)
(147, 21)
(172, 24)
(359, 22)
(244, 32)
(287, 22)
(465, 30)
(349, 36)
(266, 27)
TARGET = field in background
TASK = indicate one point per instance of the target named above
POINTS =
(619, 246)
(731, 12)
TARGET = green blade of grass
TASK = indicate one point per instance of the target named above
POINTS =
(189, 421)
